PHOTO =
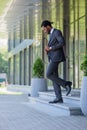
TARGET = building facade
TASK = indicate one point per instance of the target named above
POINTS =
(26, 41)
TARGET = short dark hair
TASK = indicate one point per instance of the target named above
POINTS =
(46, 23)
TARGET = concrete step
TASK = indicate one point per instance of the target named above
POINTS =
(67, 99)
(74, 92)
(58, 109)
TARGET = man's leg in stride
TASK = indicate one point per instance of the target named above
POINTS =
(53, 67)
(51, 70)
(57, 88)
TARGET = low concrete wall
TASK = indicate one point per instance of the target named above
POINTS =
(19, 88)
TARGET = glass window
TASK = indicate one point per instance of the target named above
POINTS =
(76, 9)
(16, 36)
(71, 8)
(71, 49)
(82, 44)
(22, 67)
(81, 8)
(53, 12)
(22, 29)
(76, 56)
(12, 40)
(11, 70)
(61, 17)
(27, 29)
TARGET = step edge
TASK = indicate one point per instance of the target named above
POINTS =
(56, 105)
(64, 96)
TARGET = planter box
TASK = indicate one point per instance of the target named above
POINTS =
(84, 95)
(37, 85)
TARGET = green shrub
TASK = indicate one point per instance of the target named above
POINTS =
(38, 68)
(84, 65)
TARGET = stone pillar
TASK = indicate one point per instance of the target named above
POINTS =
(66, 36)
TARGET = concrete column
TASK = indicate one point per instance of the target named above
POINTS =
(20, 31)
(14, 38)
(86, 20)
(20, 68)
(25, 66)
(66, 36)
(9, 38)
(30, 56)
(9, 69)
(14, 62)
(44, 16)
(25, 26)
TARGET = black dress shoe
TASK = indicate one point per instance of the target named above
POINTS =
(56, 100)
(68, 87)
(29, 94)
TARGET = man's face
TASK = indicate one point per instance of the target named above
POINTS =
(46, 29)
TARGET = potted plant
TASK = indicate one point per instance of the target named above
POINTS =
(84, 86)
(38, 83)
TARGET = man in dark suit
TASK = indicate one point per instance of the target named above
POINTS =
(56, 55)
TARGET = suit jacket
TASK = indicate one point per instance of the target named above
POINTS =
(57, 43)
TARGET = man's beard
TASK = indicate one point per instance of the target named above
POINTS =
(49, 32)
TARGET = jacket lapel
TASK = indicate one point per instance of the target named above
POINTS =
(50, 37)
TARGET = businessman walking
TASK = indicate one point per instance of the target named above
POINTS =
(56, 55)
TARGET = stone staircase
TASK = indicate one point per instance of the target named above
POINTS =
(71, 105)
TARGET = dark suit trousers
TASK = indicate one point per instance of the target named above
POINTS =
(52, 74)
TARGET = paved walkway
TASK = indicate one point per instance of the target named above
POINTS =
(15, 114)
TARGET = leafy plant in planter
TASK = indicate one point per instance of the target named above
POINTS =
(84, 87)
(38, 68)
(39, 83)
(84, 65)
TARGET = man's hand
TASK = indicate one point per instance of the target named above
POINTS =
(47, 49)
